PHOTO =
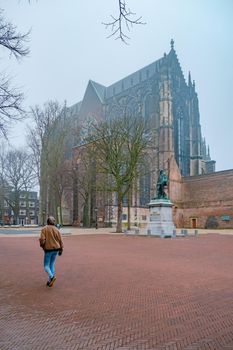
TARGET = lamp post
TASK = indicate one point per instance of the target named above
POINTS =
(96, 218)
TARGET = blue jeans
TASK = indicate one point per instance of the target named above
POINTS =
(49, 261)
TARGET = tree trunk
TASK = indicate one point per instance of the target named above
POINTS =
(86, 211)
(60, 211)
(75, 201)
(119, 213)
(128, 209)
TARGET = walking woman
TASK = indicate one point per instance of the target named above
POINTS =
(51, 242)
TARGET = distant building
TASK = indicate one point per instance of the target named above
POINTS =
(28, 210)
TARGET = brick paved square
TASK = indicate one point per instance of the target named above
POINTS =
(118, 292)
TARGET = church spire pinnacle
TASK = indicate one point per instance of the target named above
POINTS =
(172, 44)
(189, 79)
(194, 85)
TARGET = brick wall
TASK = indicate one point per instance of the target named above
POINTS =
(204, 200)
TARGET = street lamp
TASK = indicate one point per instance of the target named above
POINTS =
(96, 217)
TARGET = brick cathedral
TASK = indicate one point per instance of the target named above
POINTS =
(160, 94)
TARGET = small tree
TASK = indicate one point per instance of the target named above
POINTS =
(119, 147)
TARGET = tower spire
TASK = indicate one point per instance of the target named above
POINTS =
(189, 79)
(172, 44)
(194, 85)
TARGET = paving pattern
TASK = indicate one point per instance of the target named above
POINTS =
(118, 292)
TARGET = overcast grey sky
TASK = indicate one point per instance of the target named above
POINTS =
(69, 46)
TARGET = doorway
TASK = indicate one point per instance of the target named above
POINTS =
(193, 222)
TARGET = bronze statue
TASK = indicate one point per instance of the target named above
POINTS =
(161, 184)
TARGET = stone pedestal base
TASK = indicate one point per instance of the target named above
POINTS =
(160, 219)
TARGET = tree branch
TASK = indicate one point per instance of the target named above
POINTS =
(13, 40)
(122, 23)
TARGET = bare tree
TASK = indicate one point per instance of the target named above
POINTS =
(11, 39)
(119, 147)
(40, 131)
(85, 187)
(10, 105)
(10, 98)
(49, 138)
(123, 22)
(17, 175)
(58, 162)
(39, 136)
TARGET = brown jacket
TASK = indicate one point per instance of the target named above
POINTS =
(50, 238)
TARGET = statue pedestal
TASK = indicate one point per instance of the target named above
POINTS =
(160, 218)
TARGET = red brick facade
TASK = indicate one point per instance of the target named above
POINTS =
(203, 201)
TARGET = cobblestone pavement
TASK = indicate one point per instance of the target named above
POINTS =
(118, 292)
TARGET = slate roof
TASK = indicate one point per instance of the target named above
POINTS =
(99, 89)
(74, 109)
(133, 79)
(130, 81)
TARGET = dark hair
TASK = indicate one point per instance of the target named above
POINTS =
(51, 220)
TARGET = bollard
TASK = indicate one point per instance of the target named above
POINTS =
(149, 232)
(174, 233)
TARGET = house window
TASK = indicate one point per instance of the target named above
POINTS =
(22, 195)
(31, 204)
(22, 204)
(124, 216)
(143, 217)
(32, 213)
(22, 212)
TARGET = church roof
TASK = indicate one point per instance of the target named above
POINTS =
(74, 109)
(134, 78)
(99, 89)
(131, 80)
